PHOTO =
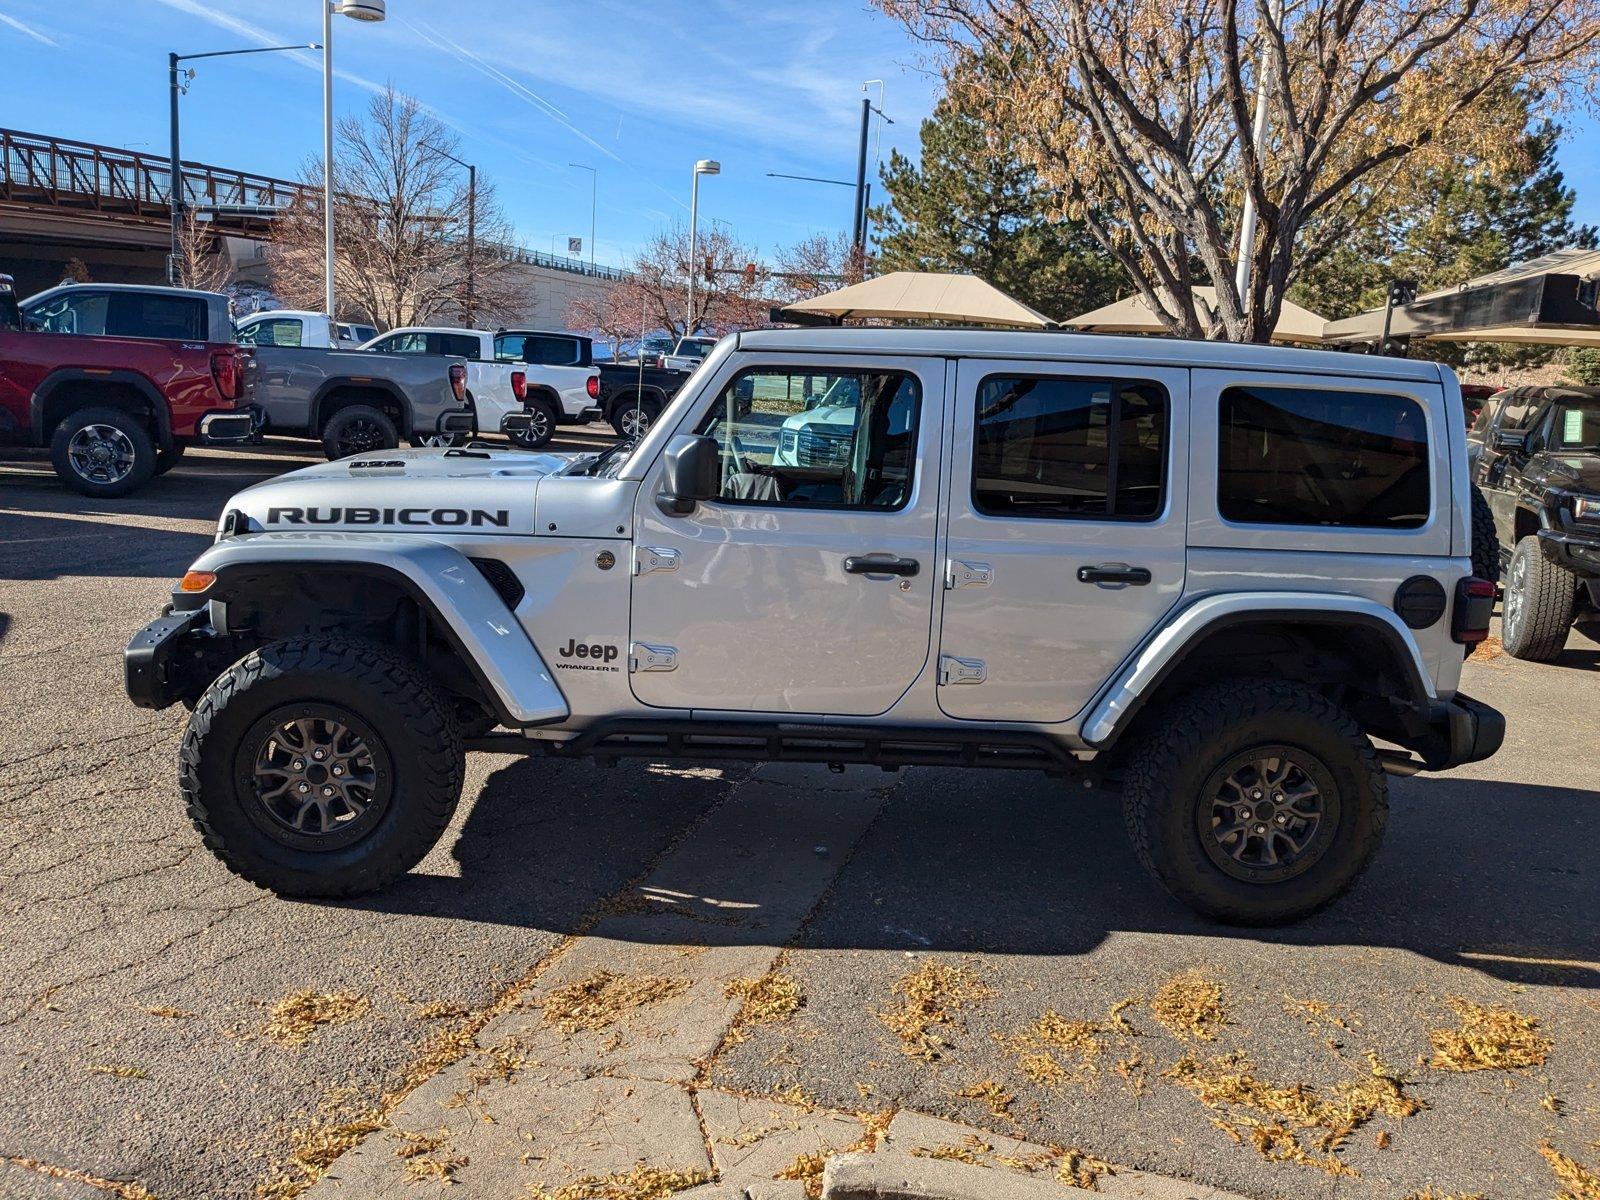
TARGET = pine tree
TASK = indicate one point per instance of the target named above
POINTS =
(973, 205)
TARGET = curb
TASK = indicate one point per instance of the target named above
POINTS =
(891, 1175)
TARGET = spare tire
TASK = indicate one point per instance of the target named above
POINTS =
(1485, 542)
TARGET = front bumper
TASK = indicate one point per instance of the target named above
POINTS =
(1572, 548)
(230, 425)
(153, 663)
(1460, 730)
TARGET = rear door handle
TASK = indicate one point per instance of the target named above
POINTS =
(1114, 573)
(871, 564)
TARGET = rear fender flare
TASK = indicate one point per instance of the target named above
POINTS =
(475, 621)
(1142, 675)
(67, 376)
(407, 416)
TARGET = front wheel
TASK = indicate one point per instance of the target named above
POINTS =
(104, 453)
(321, 766)
(1256, 801)
(1540, 599)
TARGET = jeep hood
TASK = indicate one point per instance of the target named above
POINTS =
(481, 491)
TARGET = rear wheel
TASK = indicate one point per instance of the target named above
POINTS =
(358, 429)
(1255, 801)
(321, 766)
(541, 426)
(1539, 601)
(633, 419)
(103, 452)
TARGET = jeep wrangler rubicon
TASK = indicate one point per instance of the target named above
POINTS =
(1536, 458)
(1218, 575)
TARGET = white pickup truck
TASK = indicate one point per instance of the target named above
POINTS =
(296, 327)
(560, 385)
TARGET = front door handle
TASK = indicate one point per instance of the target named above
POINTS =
(1114, 573)
(872, 564)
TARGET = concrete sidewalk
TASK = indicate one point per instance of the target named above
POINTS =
(598, 1076)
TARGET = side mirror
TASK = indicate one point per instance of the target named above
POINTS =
(693, 473)
(1511, 440)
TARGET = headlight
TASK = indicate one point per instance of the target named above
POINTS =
(1586, 508)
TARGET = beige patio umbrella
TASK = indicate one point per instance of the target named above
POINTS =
(925, 296)
(1132, 315)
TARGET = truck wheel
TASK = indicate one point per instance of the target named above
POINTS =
(1485, 542)
(103, 452)
(358, 429)
(1255, 801)
(541, 428)
(632, 421)
(321, 766)
(1539, 602)
(168, 458)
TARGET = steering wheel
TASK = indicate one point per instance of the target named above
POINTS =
(741, 460)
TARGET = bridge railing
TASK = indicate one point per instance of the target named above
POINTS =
(82, 176)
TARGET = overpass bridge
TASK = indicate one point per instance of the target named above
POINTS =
(62, 199)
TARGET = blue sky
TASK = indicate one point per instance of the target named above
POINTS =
(638, 91)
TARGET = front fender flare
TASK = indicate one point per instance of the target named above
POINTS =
(491, 643)
(1142, 674)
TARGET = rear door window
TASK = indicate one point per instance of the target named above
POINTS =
(144, 315)
(1320, 456)
(457, 345)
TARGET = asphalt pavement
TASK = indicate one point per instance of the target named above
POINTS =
(137, 977)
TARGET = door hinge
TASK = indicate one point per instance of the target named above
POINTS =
(953, 670)
(642, 657)
(654, 558)
(958, 574)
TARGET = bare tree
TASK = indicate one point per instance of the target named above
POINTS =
(400, 226)
(817, 264)
(202, 259)
(1139, 113)
(616, 311)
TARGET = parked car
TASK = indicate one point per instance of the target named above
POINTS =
(1235, 578)
(560, 384)
(118, 381)
(689, 353)
(294, 327)
(1536, 454)
(633, 395)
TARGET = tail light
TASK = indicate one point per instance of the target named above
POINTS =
(519, 385)
(458, 380)
(225, 373)
(1474, 604)
(593, 387)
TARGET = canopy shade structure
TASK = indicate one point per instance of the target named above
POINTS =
(1132, 315)
(1553, 300)
(922, 296)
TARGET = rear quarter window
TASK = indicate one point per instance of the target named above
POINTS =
(1322, 456)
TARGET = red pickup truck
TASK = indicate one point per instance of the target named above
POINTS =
(116, 380)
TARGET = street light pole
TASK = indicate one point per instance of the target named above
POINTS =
(471, 305)
(859, 235)
(706, 166)
(360, 10)
(594, 195)
(175, 86)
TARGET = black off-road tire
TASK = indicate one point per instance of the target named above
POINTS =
(399, 707)
(340, 432)
(1485, 542)
(1165, 800)
(1540, 599)
(131, 432)
(169, 458)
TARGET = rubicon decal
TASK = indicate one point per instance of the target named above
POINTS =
(447, 517)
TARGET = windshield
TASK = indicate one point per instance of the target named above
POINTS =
(1576, 426)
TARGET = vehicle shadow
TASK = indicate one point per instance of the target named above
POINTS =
(1579, 656)
(1497, 877)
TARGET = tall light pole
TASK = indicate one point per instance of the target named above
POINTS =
(360, 10)
(859, 238)
(1258, 138)
(177, 83)
(706, 166)
(471, 305)
(594, 195)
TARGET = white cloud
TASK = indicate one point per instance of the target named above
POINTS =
(27, 30)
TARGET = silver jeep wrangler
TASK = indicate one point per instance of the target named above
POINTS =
(1215, 576)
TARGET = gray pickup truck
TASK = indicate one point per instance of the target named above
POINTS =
(355, 403)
